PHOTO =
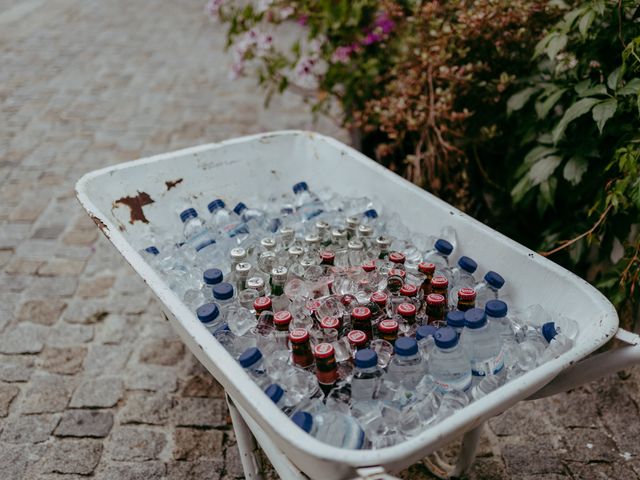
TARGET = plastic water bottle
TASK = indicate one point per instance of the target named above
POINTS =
(426, 342)
(251, 361)
(367, 377)
(277, 395)
(489, 288)
(209, 315)
(225, 221)
(496, 311)
(439, 256)
(462, 277)
(223, 294)
(331, 427)
(251, 216)
(194, 230)
(307, 204)
(455, 320)
(448, 364)
(150, 255)
(481, 344)
(211, 277)
(407, 366)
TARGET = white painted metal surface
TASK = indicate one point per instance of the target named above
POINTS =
(270, 163)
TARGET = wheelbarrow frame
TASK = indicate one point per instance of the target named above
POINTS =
(121, 198)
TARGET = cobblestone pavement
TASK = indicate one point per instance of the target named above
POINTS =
(92, 381)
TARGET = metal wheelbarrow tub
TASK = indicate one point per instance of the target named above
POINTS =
(121, 200)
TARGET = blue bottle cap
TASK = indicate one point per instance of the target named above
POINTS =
(446, 337)
(274, 392)
(443, 246)
(496, 308)
(187, 214)
(371, 213)
(549, 331)
(406, 346)
(300, 187)
(455, 319)
(217, 204)
(304, 420)
(494, 279)
(239, 208)
(467, 264)
(204, 244)
(249, 357)
(475, 318)
(212, 276)
(208, 312)
(424, 331)
(366, 358)
(222, 291)
(152, 250)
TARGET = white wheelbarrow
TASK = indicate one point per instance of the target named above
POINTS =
(122, 198)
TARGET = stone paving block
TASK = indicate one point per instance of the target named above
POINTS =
(194, 444)
(16, 459)
(29, 429)
(133, 471)
(616, 407)
(85, 423)
(200, 412)
(7, 394)
(201, 470)
(523, 419)
(151, 377)
(130, 304)
(106, 359)
(146, 408)
(23, 338)
(81, 236)
(11, 234)
(87, 311)
(590, 446)
(5, 255)
(59, 267)
(520, 459)
(98, 287)
(136, 444)
(72, 456)
(65, 361)
(46, 394)
(618, 470)
(98, 392)
(22, 266)
(232, 461)
(16, 368)
(203, 385)
(162, 352)
(48, 233)
(44, 312)
(68, 335)
(49, 287)
(114, 329)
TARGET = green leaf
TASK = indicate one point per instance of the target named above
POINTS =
(519, 99)
(543, 169)
(574, 169)
(598, 89)
(614, 78)
(604, 111)
(543, 108)
(522, 187)
(582, 86)
(632, 87)
(574, 111)
(538, 152)
(557, 42)
(547, 193)
(586, 21)
(541, 46)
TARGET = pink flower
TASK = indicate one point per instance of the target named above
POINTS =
(371, 38)
(342, 54)
(303, 19)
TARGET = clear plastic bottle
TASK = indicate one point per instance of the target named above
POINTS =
(448, 364)
(194, 230)
(250, 216)
(489, 288)
(407, 366)
(211, 277)
(332, 427)
(307, 203)
(251, 361)
(367, 377)
(225, 221)
(426, 342)
(455, 320)
(209, 315)
(277, 395)
(496, 311)
(150, 255)
(224, 294)
(439, 256)
(462, 277)
(481, 344)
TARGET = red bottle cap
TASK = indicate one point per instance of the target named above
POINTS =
(407, 309)
(357, 337)
(361, 313)
(397, 257)
(298, 335)
(426, 268)
(327, 256)
(397, 273)
(347, 299)
(369, 266)
(388, 326)
(282, 317)
(323, 350)
(329, 322)
(439, 281)
(379, 298)
(313, 305)
(435, 299)
(466, 294)
(408, 290)
(261, 303)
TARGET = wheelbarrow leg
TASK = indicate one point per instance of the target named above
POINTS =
(246, 443)
(443, 470)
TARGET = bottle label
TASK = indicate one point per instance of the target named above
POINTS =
(488, 367)
(462, 384)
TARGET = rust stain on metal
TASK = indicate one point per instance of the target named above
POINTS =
(135, 204)
(172, 183)
(100, 224)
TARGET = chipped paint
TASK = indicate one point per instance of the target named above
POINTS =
(172, 183)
